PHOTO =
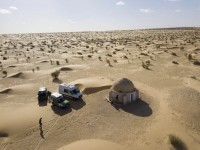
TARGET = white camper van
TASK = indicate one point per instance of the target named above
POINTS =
(70, 91)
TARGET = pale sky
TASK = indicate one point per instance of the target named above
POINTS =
(30, 16)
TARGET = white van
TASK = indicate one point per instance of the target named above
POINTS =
(70, 91)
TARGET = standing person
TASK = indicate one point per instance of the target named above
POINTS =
(40, 122)
(49, 95)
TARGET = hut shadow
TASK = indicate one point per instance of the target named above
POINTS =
(139, 108)
(59, 111)
(76, 105)
(56, 80)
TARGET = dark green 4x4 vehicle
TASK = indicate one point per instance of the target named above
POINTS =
(59, 101)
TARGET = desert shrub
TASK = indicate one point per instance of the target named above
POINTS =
(52, 62)
(115, 60)
(194, 77)
(66, 60)
(109, 55)
(33, 70)
(174, 54)
(5, 52)
(100, 58)
(87, 46)
(177, 143)
(189, 56)
(5, 73)
(79, 53)
(196, 62)
(181, 48)
(38, 68)
(175, 62)
(28, 59)
(144, 54)
(57, 62)
(55, 74)
(108, 62)
(5, 58)
(145, 65)
(89, 56)
(125, 57)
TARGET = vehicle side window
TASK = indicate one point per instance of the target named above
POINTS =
(66, 91)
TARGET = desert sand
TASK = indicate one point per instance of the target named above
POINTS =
(163, 64)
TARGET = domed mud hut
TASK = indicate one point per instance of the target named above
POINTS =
(123, 92)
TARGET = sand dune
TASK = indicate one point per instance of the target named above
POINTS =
(163, 64)
(92, 85)
(17, 75)
(6, 91)
(92, 144)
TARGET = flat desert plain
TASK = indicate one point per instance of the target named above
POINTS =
(163, 64)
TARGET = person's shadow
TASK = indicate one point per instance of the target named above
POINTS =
(41, 132)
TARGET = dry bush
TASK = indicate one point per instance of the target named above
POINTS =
(174, 54)
(100, 58)
(175, 62)
(38, 68)
(190, 57)
(89, 56)
(108, 62)
(28, 59)
(79, 53)
(115, 60)
(57, 62)
(55, 74)
(5, 73)
(177, 143)
(145, 65)
(66, 60)
(33, 70)
(196, 62)
(5, 58)
(52, 62)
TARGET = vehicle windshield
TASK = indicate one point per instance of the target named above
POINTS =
(42, 93)
(75, 91)
(60, 99)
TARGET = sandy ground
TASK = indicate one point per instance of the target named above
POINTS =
(169, 89)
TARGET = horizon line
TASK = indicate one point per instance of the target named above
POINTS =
(156, 28)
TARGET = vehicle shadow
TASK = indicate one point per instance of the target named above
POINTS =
(42, 103)
(78, 104)
(56, 80)
(59, 111)
(139, 108)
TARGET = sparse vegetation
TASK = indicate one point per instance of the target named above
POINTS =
(108, 62)
(66, 60)
(38, 68)
(175, 62)
(57, 62)
(176, 143)
(55, 74)
(145, 65)
(173, 53)
(5, 73)
(5, 58)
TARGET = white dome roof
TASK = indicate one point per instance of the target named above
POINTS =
(123, 85)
